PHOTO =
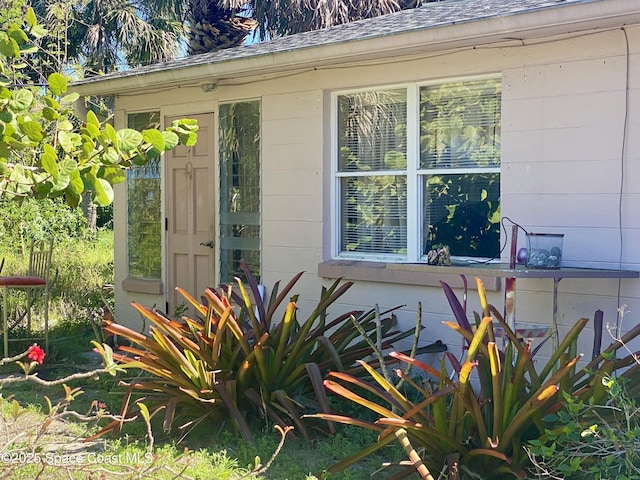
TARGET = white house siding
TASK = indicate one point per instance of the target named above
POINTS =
(564, 107)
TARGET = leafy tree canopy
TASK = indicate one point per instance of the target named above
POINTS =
(46, 151)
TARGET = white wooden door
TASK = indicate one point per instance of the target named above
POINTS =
(191, 208)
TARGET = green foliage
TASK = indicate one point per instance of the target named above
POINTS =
(485, 407)
(601, 441)
(232, 362)
(44, 151)
(22, 222)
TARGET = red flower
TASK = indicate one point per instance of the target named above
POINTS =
(36, 354)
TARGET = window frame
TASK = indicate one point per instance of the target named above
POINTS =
(414, 174)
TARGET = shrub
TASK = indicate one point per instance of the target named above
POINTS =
(229, 363)
(31, 219)
(477, 429)
(602, 441)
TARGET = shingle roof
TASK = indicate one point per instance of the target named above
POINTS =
(430, 15)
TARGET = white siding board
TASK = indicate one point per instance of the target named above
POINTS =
(301, 208)
(564, 102)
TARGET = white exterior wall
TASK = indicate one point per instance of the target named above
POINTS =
(563, 126)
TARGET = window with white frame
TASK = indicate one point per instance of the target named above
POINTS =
(418, 167)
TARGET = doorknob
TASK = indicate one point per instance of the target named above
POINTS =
(209, 244)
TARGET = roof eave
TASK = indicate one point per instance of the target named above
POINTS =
(539, 23)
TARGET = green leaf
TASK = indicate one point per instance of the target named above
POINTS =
(110, 156)
(9, 47)
(65, 125)
(91, 130)
(60, 183)
(144, 411)
(76, 185)
(28, 48)
(4, 150)
(170, 140)
(49, 160)
(7, 117)
(102, 193)
(92, 119)
(52, 102)
(190, 139)
(71, 98)
(155, 138)
(33, 130)
(88, 145)
(39, 31)
(67, 166)
(65, 141)
(57, 83)
(31, 18)
(113, 175)
(50, 114)
(110, 132)
(18, 35)
(128, 139)
(21, 100)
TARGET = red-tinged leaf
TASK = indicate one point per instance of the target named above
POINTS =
(454, 362)
(362, 384)
(113, 426)
(258, 301)
(195, 303)
(349, 395)
(125, 332)
(235, 413)
(274, 304)
(321, 394)
(431, 399)
(346, 420)
(416, 363)
(428, 435)
(253, 396)
(478, 338)
(169, 414)
(456, 307)
(258, 326)
(333, 353)
(137, 352)
(284, 331)
(468, 335)
(289, 406)
(569, 339)
(488, 452)
(400, 423)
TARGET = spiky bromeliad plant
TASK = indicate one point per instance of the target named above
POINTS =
(477, 429)
(232, 361)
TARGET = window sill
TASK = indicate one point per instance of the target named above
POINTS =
(400, 273)
(137, 285)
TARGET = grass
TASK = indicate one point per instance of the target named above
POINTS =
(214, 451)
(85, 264)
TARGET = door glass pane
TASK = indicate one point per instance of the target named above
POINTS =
(239, 145)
